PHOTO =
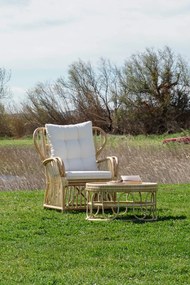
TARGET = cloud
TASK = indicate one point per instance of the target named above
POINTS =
(167, 8)
(43, 29)
(14, 2)
(40, 38)
(18, 92)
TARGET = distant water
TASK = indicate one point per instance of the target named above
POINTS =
(9, 177)
(11, 181)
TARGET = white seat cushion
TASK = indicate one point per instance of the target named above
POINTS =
(83, 175)
(74, 145)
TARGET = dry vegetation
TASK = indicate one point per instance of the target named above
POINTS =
(20, 167)
(162, 164)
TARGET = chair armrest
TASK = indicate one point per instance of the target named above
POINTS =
(111, 163)
(55, 166)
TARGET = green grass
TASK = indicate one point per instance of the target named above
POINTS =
(47, 247)
(143, 140)
(112, 139)
(26, 141)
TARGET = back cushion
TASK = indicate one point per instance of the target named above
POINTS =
(73, 144)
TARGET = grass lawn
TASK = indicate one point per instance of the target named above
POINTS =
(112, 139)
(9, 142)
(47, 247)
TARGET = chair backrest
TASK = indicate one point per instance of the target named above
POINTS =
(75, 144)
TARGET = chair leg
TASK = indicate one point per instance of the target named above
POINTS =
(75, 198)
(54, 197)
(61, 196)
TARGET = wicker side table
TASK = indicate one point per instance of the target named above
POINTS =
(119, 197)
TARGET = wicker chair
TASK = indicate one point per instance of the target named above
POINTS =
(70, 156)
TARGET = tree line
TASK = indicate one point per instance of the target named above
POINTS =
(149, 94)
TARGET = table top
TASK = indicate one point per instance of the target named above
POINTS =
(121, 186)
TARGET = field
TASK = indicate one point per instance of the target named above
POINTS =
(20, 167)
(47, 247)
(43, 247)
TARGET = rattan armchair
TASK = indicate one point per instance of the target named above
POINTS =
(70, 155)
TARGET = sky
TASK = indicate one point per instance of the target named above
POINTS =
(39, 39)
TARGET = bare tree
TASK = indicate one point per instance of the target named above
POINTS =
(93, 92)
(4, 79)
(46, 104)
(150, 94)
(157, 86)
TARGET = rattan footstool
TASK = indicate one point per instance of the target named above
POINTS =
(120, 197)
